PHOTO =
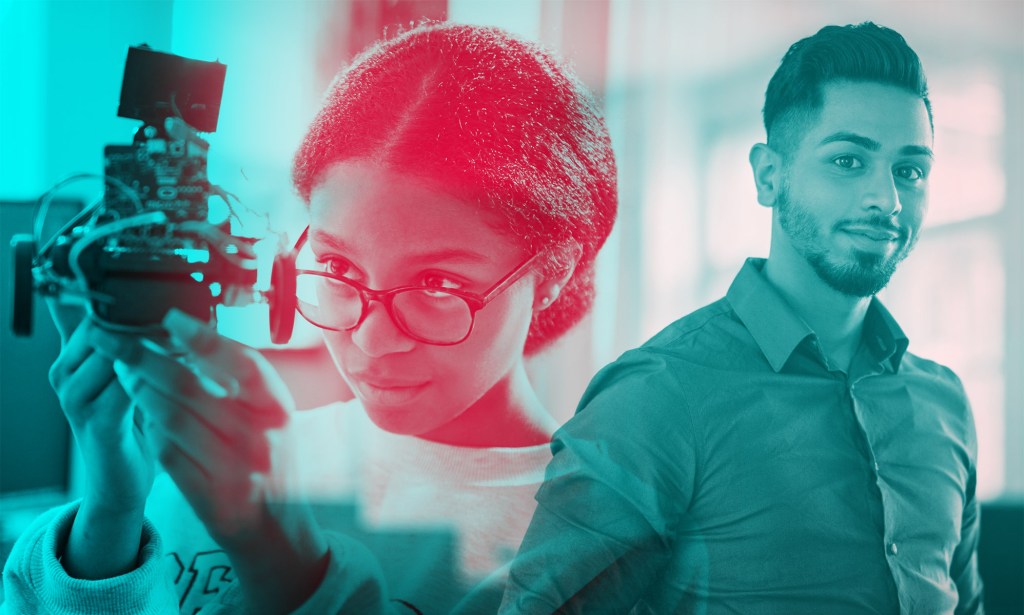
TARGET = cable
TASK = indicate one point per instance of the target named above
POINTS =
(244, 258)
(90, 208)
(43, 203)
(174, 107)
(111, 228)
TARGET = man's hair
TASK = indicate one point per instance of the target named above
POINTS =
(491, 119)
(861, 53)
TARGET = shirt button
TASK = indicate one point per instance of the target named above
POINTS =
(893, 549)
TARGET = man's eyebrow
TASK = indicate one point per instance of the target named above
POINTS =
(917, 150)
(852, 137)
(872, 145)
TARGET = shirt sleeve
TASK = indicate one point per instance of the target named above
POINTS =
(622, 474)
(35, 580)
(964, 565)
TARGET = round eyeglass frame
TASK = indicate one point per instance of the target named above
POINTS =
(475, 301)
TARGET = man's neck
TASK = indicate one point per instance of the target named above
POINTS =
(836, 318)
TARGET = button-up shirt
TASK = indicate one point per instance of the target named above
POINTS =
(725, 467)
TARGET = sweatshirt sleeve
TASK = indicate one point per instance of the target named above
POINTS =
(35, 580)
(353, 583)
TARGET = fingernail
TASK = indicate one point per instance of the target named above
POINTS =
(181, 325)
(189, 331)
(113, 346)
(214, 388)
(129, 381)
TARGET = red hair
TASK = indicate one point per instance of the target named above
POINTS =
(495, 120)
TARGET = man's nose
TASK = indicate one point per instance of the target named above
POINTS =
(881, 193)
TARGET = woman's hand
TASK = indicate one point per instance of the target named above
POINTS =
(211, 407)
(118, 464)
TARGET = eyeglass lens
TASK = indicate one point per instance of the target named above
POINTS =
(434, 316)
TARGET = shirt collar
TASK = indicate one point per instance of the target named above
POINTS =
(778, 331)
(883, 336)
(765, 314)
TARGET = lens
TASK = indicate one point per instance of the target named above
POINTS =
(328, 302)
(434, 316)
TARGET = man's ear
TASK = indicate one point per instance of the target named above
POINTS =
(548, 287)
(767, 166)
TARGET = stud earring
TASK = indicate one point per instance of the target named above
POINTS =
(545, 300)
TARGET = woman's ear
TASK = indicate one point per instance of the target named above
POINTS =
(548, 287)
(766, 164)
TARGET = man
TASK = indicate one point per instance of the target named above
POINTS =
(780, 451)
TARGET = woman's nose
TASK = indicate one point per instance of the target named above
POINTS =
(378, 335)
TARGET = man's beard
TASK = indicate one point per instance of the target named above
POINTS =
(863, 275)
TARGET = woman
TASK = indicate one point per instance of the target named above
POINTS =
(460, 183)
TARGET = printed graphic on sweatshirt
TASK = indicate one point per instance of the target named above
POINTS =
(199, 580)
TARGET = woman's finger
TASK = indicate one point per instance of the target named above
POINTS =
(113, 346)
(66, 317)
(220, 449)
(231, 418)
(81, 387)
(76, 348)
(225, 504)
(244, 369)
(113, 396)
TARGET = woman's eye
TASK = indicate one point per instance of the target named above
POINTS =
(847, 162)
(910, 173)
(434, 280)
(337, 266)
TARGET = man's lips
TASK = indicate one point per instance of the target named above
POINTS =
(872, 232)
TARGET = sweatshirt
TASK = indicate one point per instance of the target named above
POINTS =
(412, 526)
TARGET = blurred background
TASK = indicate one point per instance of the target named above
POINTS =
(682, 83)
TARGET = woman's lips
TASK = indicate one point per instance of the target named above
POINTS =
(386, 391)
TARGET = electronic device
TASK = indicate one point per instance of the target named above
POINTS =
(152, 241)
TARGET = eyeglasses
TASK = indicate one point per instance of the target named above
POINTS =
(439, 316)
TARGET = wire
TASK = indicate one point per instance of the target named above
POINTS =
(111, 228)
(153, 217)
(244, 258)
(174, 106)
(90, 208)
(82, 290)
(226, 197)
(43, 203)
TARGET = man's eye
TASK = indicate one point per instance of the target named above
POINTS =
(848, 162)
(910, 173)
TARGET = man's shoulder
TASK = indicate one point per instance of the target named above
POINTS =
(932, 380)
(687, 336)
(916, 366)
(939, 395)
(670, 363)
